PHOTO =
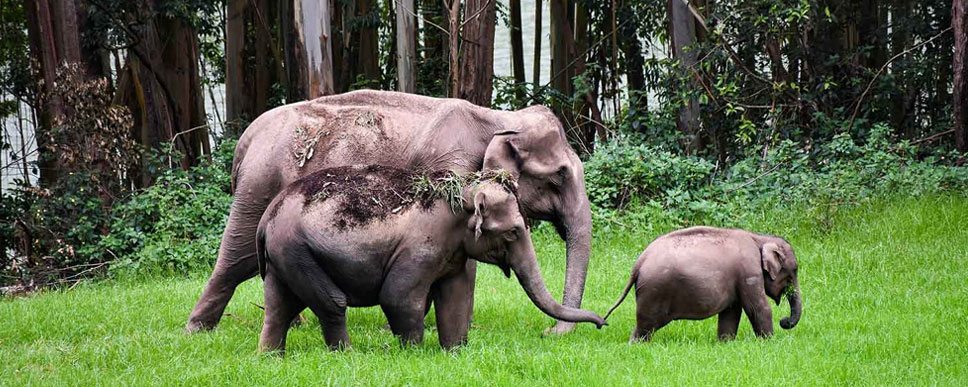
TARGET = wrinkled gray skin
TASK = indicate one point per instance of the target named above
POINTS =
(699, 272)
(307, 260)
(405, 131)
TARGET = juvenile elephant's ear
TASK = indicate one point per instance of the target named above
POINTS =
(771, 256)
(479, 208)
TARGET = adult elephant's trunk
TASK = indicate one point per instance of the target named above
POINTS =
(575, 227)
(796, 308)
(525, 265)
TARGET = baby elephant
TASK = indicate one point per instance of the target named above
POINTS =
(698, 272)
(365, 236)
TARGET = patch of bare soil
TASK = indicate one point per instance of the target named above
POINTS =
(366, 193)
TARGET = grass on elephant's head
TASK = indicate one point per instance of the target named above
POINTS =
(884, 294)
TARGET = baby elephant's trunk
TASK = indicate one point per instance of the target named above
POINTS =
(525, 266)
(796, 307)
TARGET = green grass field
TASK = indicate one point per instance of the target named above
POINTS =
(884, 292)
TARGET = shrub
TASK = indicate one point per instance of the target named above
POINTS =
(175, 225)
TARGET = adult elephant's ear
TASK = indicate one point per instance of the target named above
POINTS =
(771, 256)
(504, 152)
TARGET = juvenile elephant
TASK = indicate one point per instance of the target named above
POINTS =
(410, 132)
(364, 236)
(698, 272)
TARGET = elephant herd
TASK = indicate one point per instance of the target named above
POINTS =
(382, 198)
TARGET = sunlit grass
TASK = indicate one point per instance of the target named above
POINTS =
(884, 303)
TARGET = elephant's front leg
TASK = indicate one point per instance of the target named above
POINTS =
(454, 299)
(404, 302)
(757, 309)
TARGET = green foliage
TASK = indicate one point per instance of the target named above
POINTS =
(627, 181)
(175, 225)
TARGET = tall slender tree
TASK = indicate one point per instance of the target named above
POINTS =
(517, 49)
(406, 47)
(477, 61)
(235, 89)
(536, 62)
(161, 85)
(682, 33)
(959, 20)
(54, 41)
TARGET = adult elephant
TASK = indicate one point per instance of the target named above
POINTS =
(404, 131)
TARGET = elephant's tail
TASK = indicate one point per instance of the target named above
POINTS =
(260, 247)
(632, 278)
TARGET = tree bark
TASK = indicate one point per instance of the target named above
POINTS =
(571, 63)
(536, 64)
(54, 40)
(453, 49)
(406, 47)
(517, 49)
(235, 89)
(682, 31)
(959, 20)
(632, 51)
(161, 87)
(263, 69)
(368, 60)
(561, 73)
(477, 63)
(313, 53)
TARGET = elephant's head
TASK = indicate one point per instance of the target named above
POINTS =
(551, 184)
(497, 234)
(780, 276)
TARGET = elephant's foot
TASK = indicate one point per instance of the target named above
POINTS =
(195, 326)
(561, 328)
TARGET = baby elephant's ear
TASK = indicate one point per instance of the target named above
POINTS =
(771, 256)
(479, 207)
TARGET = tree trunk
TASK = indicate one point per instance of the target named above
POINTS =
(406, 47)
(561, 73)
(368, 60)
(179, 66)
(312, 62)
(902, 98)
(453, 49)
(682, 30)
(66, 34)
(162, 88)
(477, 63)
(54, 40)
(263, 68)
(235, 89)
(959, 20)
(536, 64)
(517, 49)
(571, 63)
(40, 32)
(632, 51)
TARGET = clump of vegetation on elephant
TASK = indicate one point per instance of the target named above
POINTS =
(378, 191)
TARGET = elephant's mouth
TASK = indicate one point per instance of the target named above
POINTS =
(500, 259)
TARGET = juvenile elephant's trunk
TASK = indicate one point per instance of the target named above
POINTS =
(525, 265)
(796, 308)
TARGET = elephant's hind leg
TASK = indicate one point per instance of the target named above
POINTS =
(729, 322)
(320, 293)
(281, 306)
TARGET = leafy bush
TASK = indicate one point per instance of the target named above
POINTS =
(48, 228)
(175, 225)
(642, 184)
